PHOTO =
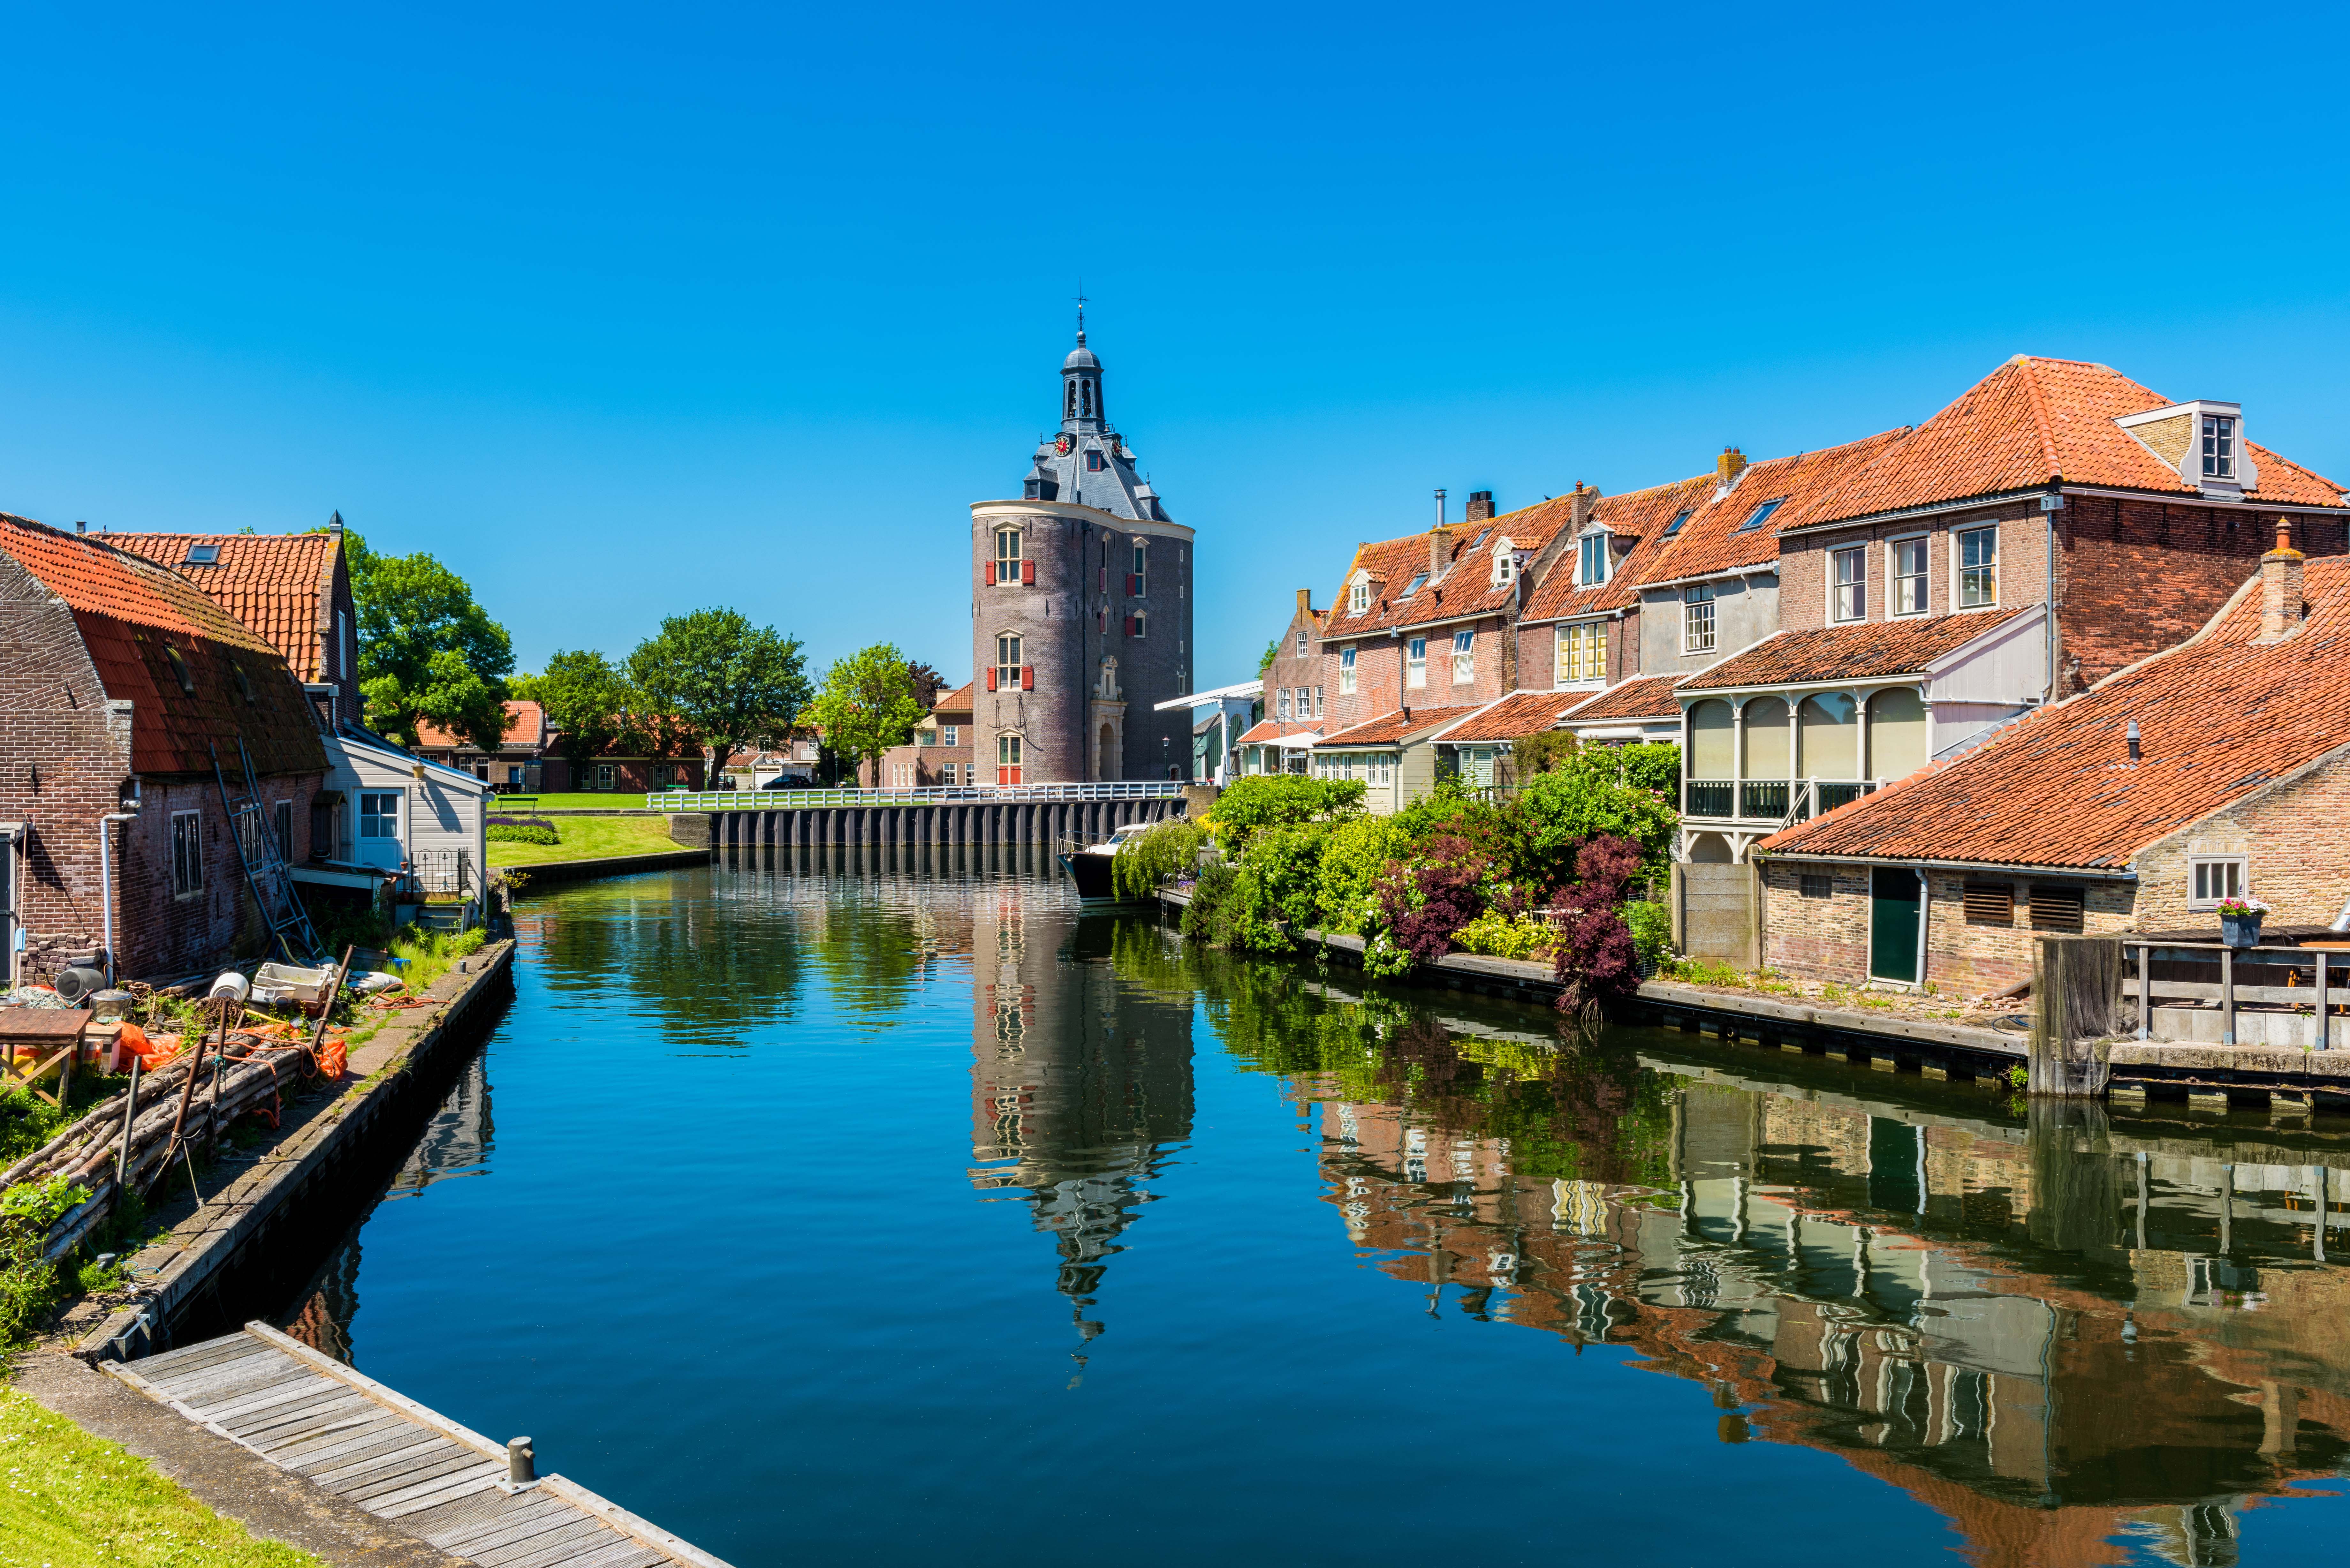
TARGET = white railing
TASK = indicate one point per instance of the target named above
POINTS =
(949, 795)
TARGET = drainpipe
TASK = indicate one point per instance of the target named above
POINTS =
(106, 883)
(2049, 504)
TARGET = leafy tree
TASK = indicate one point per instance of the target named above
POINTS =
(1353, 860)
(866, 705)
(1272, 652)
(928, 684)
(1266, 800)
(589, 703)
(1545, 752)
(713, 675)
(427, 651)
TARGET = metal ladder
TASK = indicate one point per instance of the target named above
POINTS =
(265, 872)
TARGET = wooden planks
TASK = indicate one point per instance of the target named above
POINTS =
(435, 1479)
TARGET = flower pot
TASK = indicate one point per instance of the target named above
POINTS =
(2240, 930)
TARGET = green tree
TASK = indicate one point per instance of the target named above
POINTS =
(713, 674)
(427, 651)
(1267, 800)
(1272, 652)
(866, 705)
(589, 703)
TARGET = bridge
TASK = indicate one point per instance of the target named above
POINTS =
(1012, 814)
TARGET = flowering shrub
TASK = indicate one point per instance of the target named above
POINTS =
(1498, 935)
(2238, 908)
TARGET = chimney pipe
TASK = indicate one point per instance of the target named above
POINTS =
(2282, 609)
(1727, 467)
(2132, 738)
(1440, 509)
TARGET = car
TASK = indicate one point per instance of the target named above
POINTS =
(789, 781)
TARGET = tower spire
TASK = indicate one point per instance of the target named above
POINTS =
(1081, 312)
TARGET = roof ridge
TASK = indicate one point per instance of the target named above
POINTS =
(2039, 415)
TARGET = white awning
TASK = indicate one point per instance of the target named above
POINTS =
(1233, 693)
(1304, 743)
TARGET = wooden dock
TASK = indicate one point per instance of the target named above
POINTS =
(416, 1469)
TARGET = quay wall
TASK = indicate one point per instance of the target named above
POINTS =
(1039, 824)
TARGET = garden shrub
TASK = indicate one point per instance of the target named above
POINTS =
(1354, 856)
(1260, 801)
(1147, 859)
(521, 830)
(1497, 934)
(29, 1284)
(1423, 903)
(1651, 925)
(1596, 958)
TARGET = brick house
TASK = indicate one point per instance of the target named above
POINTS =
(2218, 766)
(941, 755)
(521, 762)
(120, 683)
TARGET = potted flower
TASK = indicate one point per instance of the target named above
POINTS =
(2240, 921)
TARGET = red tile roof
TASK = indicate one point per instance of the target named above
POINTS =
(1640, 515)
(1878, 648)
(1650, 696)
(1390, 728)
(281, 585)
(527, 730)
(2029, 424)
(1519, 714)
(1465, 584)
(129, 611)
(955, 702)
(2218, 716)
(1265, 732)
(1714, 541)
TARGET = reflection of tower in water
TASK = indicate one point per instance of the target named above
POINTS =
(1077, 1082)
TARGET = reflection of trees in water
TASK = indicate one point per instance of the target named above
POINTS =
(714, 964)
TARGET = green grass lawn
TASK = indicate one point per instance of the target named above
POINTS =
(591, 838)
(72, 1500)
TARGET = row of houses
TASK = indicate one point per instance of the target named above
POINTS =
(1885, 662)
(180, 726)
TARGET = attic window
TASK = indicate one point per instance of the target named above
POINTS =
(1480, 538)
(2219, 446)
(1415, 585)
(209, 555)
(244, 682)
(1760, 516)
(1358, 595)
(1674, 526)
(179, 670)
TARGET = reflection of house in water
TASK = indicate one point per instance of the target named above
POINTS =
(1078, 1080)
(2039, 1332)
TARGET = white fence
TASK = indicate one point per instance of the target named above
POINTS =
(964, 795)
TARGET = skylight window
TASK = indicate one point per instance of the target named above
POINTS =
(203, 555)
(1415, 585)
(1674, 526)
(1480, 538)
(1760, 516)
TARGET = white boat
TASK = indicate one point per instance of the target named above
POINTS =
(1090, 867)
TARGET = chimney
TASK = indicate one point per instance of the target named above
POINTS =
(1481, 506)
(1727, 468)
(1579, 505)
(2282, 609)
(1439, 552)
(81, 525)
(2132, 738)
(1306, 602)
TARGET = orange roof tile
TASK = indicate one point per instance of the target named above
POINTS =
(280, 585)
(1717, 540)
(1849, 652)
(1464, 588)
(1519, 714)
(1392, 727)
(527, 730)
(1650, 696)
(1265, 732)
(2219, 717)
(955, 702)
(129, 612)
(1640, 515)
(2030, 424)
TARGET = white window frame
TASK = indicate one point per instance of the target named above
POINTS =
(1895, 578)
(1358, 594)
(1464, 657)
(1301, 642)
(187, 853)
(1347, 671)
(1141, 569)
(1848, 599)
(1317, 701)
(2212, 877)
(1007, 552)
(1141, 625)
(1007, 676)
(947, 733)
(1415, 664)
(399, 814)
(1592, 563)
(1960, 571)
(606, 775)
(2218, 441)
(1505, 563)
(1281, 704)
(1581, 652)
(1698, 631)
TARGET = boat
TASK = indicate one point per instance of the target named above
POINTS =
(1090, 866)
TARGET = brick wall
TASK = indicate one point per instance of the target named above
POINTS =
(2294, 838)
(1828, 939)
(1292, 672)
(1803, 563)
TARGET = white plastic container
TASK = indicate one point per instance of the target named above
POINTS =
(230, 987)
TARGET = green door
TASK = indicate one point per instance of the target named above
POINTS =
(1893, 915)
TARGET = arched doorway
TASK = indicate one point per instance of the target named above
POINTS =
(1106, 764)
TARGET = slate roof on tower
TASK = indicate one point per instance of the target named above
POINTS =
(2219, 716)
(144, 626)
(280, 585)
(2028, 425)
(1115, 486)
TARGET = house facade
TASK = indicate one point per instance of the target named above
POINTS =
(1081, 610)
(123, 686)
(517, 765)
(940, 756)
(2216, 768)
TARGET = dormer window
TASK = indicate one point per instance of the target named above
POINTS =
(1760, 516)
(1593, 566)
(2219, 446)
(1094, 463)
(1358, 595)
(1505, 563)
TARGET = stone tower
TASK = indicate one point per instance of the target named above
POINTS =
(1081, 610)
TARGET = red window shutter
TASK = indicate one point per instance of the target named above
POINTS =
(1130, 626)
(1129, 583)
(991, 677)
(987, 575)
(1027, 574)
(1027, 678)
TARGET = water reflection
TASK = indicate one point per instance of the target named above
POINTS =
(2064, 1336)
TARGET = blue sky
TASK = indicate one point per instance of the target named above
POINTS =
(626, 311)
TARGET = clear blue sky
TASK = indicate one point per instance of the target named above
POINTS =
(625, 311)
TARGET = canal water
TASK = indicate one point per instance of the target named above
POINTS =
(901, 1220)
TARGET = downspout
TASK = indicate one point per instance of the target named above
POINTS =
(2054, 645)
(106, 884)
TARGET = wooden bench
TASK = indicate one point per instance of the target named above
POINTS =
(39, 1041)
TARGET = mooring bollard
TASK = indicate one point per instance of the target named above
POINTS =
(521, 1462)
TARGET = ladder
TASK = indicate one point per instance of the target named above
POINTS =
(265, 870)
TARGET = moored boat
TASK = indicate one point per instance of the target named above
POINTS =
(1090, 866)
